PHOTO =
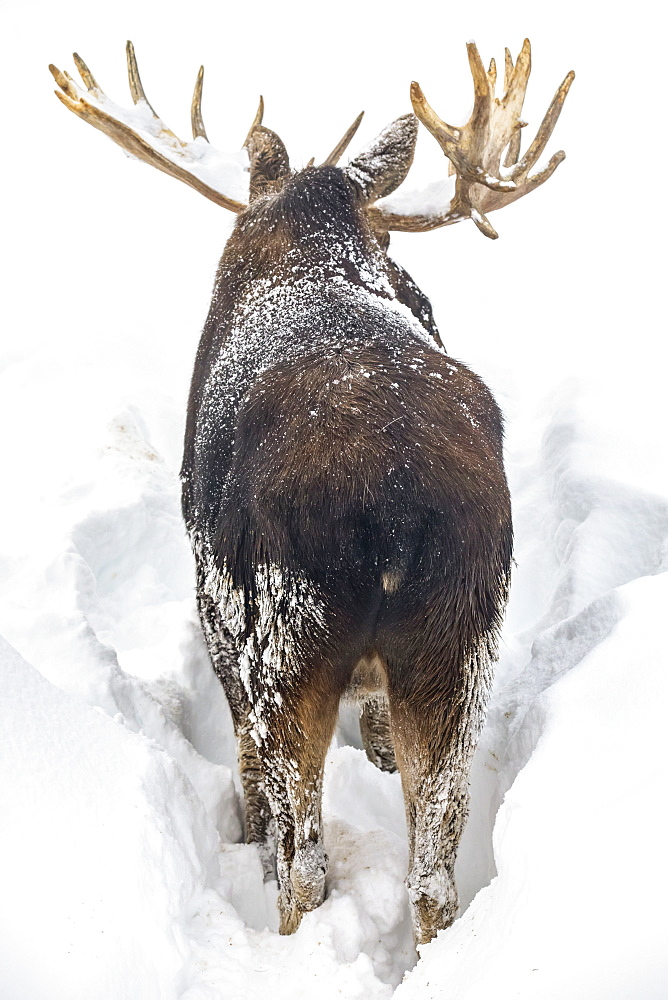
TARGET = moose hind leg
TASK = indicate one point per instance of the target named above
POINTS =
(434, 750)
(258, 820)
(376, 733)
(439, 803)
(225, 661)
(293, 754)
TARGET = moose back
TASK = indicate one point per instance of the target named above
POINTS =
(343, 481)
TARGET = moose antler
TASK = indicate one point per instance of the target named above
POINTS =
(141, 133)
(343, 143)
(475, 150)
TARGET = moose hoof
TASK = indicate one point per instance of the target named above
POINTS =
(434, 903)
(307, 886)
(307, 875)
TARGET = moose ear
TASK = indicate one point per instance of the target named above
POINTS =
(383, 165)
(269, 164)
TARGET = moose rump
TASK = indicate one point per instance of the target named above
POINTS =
(361, 550)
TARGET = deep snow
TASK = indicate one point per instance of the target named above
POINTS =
(122, 871)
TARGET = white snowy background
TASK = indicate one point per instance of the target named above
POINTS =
(121, 869)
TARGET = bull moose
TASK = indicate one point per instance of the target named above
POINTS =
(343, 480)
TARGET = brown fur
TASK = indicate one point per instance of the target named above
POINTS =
(345, 495)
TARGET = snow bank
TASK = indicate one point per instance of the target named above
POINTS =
(102, 848)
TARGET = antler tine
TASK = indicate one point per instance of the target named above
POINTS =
(136, 88)
(343, 143)
(64, 81)
(529, 184)
(199, 132)
(138, 93)
(483, 224)
(491, 75)
(482, 95)
(89, 80)
(516, 79)
(259, 115)
(513, 99)
(537, 179)
(546, 128)
(508, 71)
(513, 151)
(443, 133)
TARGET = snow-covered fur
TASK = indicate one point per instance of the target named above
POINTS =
(344, 493)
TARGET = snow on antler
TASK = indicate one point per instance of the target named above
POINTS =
(221, 177)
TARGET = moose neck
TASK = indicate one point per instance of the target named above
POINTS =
(312, 229)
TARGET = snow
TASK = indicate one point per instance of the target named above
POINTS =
(226, 174)
(432, 200)
(121, 865)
